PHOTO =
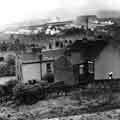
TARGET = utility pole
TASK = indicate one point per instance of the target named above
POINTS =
(19, 72)
(86, 66)
(87, 20)
(40, 57)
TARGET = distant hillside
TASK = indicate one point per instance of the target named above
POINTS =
(64, 14)
(109, 14)
(32, 22)
(4, 36)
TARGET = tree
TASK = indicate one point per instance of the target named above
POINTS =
(4, 46)
(10, 60)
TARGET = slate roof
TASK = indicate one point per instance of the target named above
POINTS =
(89, 49)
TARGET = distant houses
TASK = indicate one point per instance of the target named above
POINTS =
(83, 54)
(90, 59)
(91, 54)
(95, 59)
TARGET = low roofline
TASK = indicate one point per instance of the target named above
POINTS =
(79, 45)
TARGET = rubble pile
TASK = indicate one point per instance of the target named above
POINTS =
(10, 114)
(109, 115)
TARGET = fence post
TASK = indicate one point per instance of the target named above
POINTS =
(19, 72)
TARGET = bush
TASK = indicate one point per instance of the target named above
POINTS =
(10, 59)
(27, 93)
(2, 90)
(49, 77)
(10, 85)
(3, 69)
(7, 68)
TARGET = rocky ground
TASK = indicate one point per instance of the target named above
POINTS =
(77, 104)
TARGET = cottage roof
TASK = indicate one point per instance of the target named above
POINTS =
(53, 53)
(89, 49)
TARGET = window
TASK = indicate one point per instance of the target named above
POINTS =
(66, 41)
(1, 59)
(90, 67)
(61, 45)
(48, 65)
(81, 69)
(50, 46)
(70, 42)
(57, 43)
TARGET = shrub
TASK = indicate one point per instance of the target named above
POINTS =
(3, 69)
(49, 77)
(27, 93)
(7, 67)
(10, 85)
(10, 59)
(2, 90)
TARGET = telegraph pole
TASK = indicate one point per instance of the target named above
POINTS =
(40, 57)
(87, 20)
(19, 72)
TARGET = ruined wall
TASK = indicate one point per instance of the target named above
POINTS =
(76, 58)
(63, 71)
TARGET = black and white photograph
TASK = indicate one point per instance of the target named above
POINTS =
(59, 59)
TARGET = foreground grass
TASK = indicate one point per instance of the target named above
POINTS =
(76, 102)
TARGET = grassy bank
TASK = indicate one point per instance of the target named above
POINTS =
(77, 102)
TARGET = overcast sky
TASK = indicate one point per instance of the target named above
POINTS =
(12, 11)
